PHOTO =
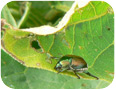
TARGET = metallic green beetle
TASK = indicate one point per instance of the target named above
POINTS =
(73, 63)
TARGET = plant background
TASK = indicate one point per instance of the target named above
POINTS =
(14, 74)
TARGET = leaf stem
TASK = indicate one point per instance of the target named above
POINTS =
(25, 15)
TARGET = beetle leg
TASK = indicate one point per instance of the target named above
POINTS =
(61, 70)
(76, 74)
(88, 73)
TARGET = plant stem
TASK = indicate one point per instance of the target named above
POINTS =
(25, 15)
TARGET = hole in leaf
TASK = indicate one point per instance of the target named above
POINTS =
(108, 28)
(35, 44)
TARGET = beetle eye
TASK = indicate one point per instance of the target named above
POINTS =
(58, 66)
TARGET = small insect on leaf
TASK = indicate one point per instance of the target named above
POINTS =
(74, 63)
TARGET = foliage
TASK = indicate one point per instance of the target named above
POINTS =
(89, 34)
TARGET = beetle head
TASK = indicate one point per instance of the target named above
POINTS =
(58, 66)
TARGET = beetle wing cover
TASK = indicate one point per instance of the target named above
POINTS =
(78, 63)
(65, 63)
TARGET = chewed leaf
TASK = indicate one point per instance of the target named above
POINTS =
(88, 33)
(20, 75)
(46, 30)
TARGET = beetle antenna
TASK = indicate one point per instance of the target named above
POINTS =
(54, 57)
(88, 73)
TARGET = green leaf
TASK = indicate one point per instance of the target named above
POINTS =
(17, 76)
(40, 12)
(89, 34)
(62, 5)
(6, 14)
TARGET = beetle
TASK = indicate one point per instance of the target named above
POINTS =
(73, 63)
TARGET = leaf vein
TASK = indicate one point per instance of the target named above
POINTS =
(90, 19)
(101, 53)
